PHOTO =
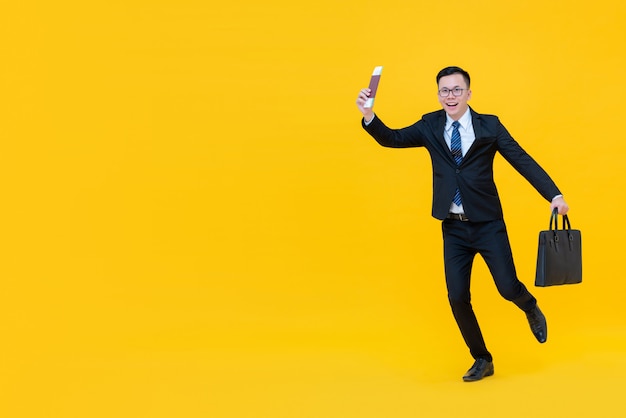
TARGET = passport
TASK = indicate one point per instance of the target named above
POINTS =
(374, 85)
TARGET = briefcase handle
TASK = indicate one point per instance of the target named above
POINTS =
(555, 218)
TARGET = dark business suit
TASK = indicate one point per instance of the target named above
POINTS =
(485, 233)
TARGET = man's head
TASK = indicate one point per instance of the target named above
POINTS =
(454, 92)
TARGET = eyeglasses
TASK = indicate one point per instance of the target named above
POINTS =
(457, 91)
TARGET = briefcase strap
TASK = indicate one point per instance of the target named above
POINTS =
(555, 218)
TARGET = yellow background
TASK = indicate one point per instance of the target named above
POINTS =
(195, 225)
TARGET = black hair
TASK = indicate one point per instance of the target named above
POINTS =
(454, 70)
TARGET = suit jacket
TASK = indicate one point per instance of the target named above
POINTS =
(474, 176)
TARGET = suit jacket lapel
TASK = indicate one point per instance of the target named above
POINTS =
(476, 119)
(478, 131)
(440, 129)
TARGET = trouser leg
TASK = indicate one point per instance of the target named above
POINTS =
(458, 260)
(493, 245)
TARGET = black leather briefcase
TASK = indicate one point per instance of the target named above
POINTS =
(559, 257)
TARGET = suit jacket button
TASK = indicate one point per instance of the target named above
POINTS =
(458, 171)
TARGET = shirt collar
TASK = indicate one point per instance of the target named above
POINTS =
(465, 120)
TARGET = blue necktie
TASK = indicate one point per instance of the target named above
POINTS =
(457, 153)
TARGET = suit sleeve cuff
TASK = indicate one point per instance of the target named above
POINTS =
(367, 122)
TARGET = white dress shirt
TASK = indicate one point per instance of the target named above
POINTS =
(466, 129)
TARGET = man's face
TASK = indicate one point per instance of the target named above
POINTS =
(455, 106)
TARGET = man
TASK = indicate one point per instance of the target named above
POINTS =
(462, 144)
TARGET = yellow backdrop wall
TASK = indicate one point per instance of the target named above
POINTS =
(194, 223)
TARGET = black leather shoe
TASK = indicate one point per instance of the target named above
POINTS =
(538, 325)
(481, 368)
